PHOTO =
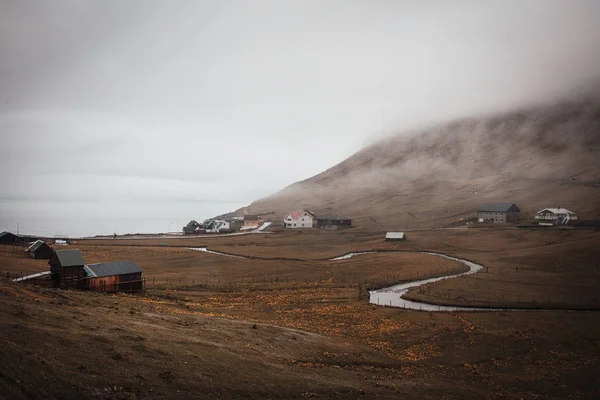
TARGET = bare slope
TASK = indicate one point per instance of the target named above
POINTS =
(547, 156)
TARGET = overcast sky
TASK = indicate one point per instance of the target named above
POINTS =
(140, 115)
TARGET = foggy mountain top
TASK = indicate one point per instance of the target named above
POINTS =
(533, 156)
(148, 108)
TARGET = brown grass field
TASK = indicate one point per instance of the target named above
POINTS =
(289, 324)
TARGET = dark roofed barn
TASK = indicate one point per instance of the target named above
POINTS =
(67, 269)
(333, 222)
(8, 238)
(117, 276)
(40, 250)
(193, 227)
(498, 212)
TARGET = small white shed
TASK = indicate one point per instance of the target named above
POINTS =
(395, 236)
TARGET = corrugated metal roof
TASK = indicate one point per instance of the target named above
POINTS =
(35, 245)
(498, 207)
(112, 268)
(395, 235)
(70, 258)
(333, 217)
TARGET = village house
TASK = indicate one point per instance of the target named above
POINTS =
(333, 222)
(299, 219)
(220, 225)
(251, 222)
(498, 213)
(67, 270)
(116, 276)
(40, 250)
(555, 216)
(193, 227)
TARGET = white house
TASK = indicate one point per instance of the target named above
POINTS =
(555, 216)
(299, 219)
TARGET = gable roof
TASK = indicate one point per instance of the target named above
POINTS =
(69, 258)
(8, 234)
(498, 207)
(298, 214)
(112, 268)
(557, 211)
(250, 217)
(334, 217)
(36, 245)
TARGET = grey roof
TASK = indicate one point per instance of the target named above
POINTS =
(498, 207)
(333, 217)
(112, 268)
(7, 233)
(36, 245)
(70, 258)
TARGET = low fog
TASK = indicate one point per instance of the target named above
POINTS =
(139, 116)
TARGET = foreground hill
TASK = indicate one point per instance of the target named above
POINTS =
(542, 157)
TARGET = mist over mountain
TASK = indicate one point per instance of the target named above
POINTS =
(537, 157)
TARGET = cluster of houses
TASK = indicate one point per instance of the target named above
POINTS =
(67, 268)
(226, 224)
(510, 213)
(251, 222)
(493, 213)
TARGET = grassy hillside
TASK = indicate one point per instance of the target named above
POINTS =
(547, 156)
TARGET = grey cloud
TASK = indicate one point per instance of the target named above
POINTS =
(232, 101)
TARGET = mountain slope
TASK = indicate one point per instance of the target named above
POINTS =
(547, 156)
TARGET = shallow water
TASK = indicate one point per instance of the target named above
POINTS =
(206, 250)
(392, 296)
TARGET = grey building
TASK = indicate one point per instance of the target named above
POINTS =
(498, 212)
(333, 222)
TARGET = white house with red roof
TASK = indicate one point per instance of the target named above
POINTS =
(299, 219)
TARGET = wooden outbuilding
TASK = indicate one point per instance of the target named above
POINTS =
(67, 270)
(40, 250)
(117, 276)
(8, 238)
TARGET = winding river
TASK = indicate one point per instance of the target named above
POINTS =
(392, 296)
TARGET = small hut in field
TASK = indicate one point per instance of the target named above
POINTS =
(40, 250)
(395, 236)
